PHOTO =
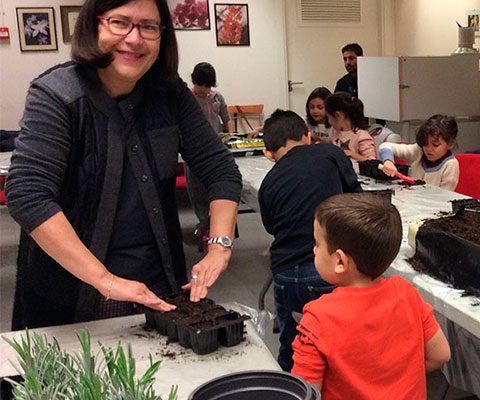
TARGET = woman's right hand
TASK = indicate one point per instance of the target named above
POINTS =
(389, 168)
(120, 289)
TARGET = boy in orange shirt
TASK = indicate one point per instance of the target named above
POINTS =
(371, 338)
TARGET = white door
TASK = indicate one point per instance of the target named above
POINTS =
(314, 49)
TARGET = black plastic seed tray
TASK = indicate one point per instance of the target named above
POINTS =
(459, 205)
(386, 193)
(370, 168)
(201, 326)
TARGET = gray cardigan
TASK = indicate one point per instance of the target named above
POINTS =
(69, 157)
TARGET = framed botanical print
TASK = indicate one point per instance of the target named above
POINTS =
(69, 15)
(36, 28)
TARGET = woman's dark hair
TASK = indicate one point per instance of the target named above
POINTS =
(352, 107)
(281, 127)
(204, 75)
(85, 48)
(437, 125)
(317, 93)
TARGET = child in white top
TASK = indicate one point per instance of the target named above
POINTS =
(317, 122)
(430, 158)
(345, 115)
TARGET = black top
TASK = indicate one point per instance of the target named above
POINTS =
(347, 84)
(290, 193)
(70, 156)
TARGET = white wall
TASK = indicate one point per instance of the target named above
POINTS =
(428, 27)
(252, 74)
(17, 69)
(314, 50)
(246, 75)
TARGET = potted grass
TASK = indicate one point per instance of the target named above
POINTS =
(51, 373)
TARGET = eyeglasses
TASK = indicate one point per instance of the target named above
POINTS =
(122, 27)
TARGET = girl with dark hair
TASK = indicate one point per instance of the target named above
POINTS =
(92, 179)
(345, 115)
(204, 79)
(317, 121)
(431, 158)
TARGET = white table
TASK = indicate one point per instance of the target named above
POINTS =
(416, 202)
(179, 366)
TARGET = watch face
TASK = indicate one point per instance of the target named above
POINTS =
(226, 241)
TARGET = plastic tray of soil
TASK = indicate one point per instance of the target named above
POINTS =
(232, 331)
(227, 330)
(385, 193)
(458, 205)
(446, 255)
(184, 325)
(203, 337)
(370, 168)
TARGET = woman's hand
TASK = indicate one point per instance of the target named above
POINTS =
(207, 271)
(120, 289)
(389, 168)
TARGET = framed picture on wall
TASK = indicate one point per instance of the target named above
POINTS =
(190, 14)
(473, 20)
(68, 15)
(36, 28)
(232, 25)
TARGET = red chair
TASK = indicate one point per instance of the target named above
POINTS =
(180, 180)
(469, 178)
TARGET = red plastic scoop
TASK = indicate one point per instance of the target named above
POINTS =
(400, 176)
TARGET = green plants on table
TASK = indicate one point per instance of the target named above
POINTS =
(51, 373)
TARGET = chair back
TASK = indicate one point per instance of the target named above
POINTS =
(244, 112)
(469, 178)
(180, 180)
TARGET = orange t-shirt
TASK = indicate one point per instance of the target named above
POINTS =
(366, 342)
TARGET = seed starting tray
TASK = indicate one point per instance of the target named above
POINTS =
(202, 326)
(370, 168)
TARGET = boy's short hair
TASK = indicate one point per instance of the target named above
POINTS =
(204, 75)
(282, 126)
(437, 125)
(365, 226)
(355, 47)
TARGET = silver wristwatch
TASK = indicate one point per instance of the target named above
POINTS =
(225, 241)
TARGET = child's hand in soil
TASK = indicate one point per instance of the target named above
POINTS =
(207, 271)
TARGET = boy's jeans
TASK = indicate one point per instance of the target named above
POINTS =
(292, 289)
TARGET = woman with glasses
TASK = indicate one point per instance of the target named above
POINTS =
(92, 180)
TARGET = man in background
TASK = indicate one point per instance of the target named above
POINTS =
(349, 83)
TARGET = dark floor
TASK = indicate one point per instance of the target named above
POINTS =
(241, 282)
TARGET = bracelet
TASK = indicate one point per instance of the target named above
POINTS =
(110, 286)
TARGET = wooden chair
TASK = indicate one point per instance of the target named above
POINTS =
(244, 112)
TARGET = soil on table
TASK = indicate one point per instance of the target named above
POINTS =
(417, 182)
(465, 224)
(448, 258)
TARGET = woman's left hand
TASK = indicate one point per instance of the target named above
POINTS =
(207, 271)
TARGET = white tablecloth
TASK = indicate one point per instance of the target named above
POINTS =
(179, 366)
(460, 315)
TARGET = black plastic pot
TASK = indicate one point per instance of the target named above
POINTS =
(249, 385)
